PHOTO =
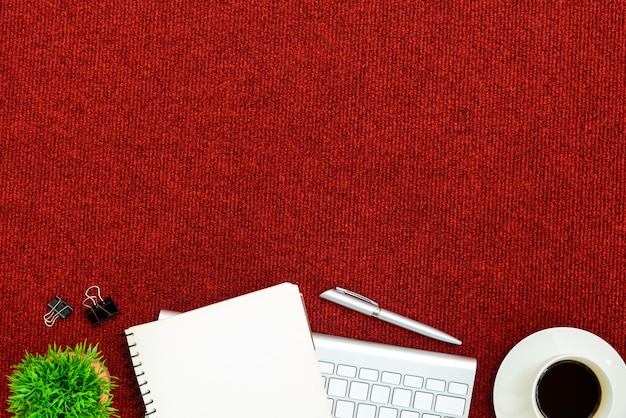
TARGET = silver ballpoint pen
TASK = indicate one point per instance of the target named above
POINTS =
(368, 307)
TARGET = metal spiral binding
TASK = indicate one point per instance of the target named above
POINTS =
(136, 374)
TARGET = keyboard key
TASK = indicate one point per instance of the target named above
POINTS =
(365, 411)
(409, 414)
(387, 412)
(436, 384)
(368, 374)
(392, 378)
(423, 400)
(457, 388)
(380, 394)
(337, 387)
(344, 409)
(346, 371)
(449, 405)
(413, 381)
(326, 368)
(358, 390)
(401, 397)
(430, 416)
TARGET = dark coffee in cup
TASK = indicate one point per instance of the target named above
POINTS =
(568, 389)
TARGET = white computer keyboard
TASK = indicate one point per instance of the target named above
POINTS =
(368, 380)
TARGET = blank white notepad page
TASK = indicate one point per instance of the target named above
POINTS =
(251, 356)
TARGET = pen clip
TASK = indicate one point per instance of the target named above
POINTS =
(355, 295)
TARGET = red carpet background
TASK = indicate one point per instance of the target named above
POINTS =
(461, 162)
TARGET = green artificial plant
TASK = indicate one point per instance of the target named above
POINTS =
(63, 383)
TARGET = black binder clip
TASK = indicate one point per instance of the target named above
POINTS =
(58, 309)
(99, 310)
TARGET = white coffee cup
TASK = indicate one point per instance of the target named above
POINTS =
(526, 366)
(567, 385)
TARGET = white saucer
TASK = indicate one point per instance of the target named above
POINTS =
(513, 393)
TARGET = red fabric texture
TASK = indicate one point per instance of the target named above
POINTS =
(461, 162)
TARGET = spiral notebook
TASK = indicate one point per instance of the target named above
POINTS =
(251, 356)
